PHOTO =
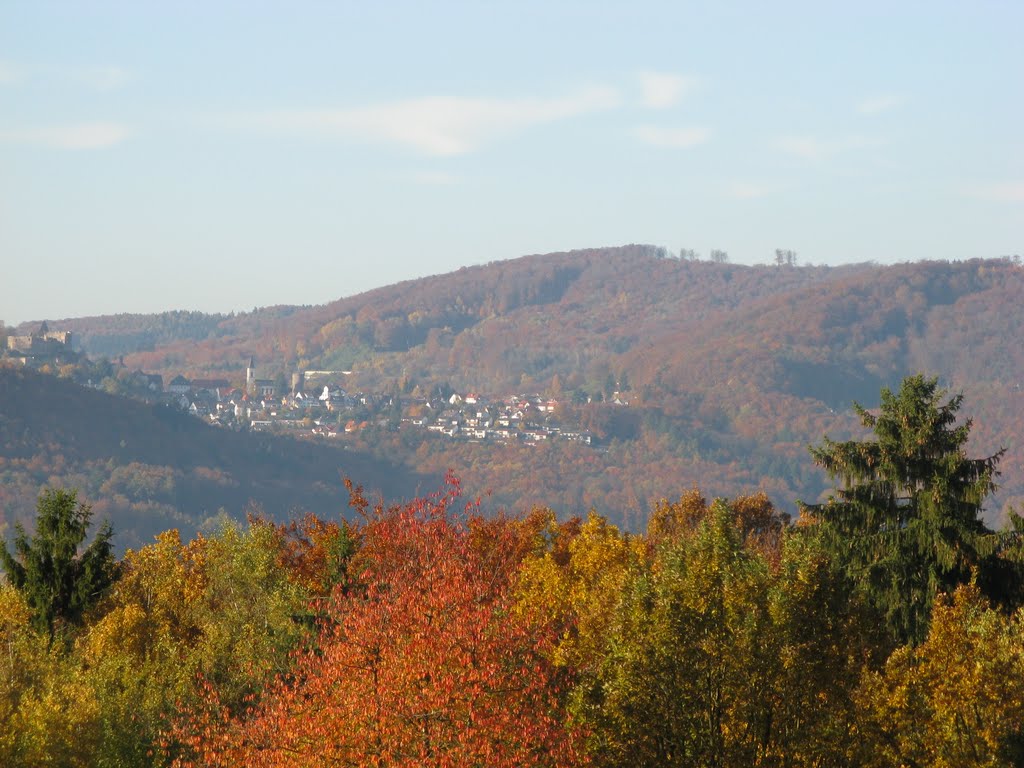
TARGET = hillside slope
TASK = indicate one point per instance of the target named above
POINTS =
(545, 314)
(729, 371)
(149, 468)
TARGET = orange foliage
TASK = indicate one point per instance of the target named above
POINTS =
(426, 664)
(314, 552)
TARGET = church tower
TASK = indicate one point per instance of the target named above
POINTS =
(250, 376)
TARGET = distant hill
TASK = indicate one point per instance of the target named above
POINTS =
(149, 468)
(547, 314)
(729, 371)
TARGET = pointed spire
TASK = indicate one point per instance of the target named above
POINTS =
(250, 376)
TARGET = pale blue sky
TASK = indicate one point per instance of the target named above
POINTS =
(221, 156)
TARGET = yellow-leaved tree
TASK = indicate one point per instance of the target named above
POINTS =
(48, 713)
(219, 611)
(579, 584)
(733, 642)
(955, 701)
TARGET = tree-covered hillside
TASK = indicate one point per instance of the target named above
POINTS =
(883, 628)
(729, 371)
(148, 468)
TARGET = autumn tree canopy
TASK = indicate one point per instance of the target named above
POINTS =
(426, 663)
(879, 630)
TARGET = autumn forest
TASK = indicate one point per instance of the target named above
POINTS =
(883, 627)
(791, 539)
(511, 385)
(728, 373)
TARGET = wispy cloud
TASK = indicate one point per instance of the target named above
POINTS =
(746, 190)
(95, 135)
(817, 148)
(104, 78)
(440, 126)
(673, 138)
(1003, 192)
(9, 74)
(880, 103)
(660, 90)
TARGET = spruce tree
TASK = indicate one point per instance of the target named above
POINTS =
(905, 524)
(59, 582)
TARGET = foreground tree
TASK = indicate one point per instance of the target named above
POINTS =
(221, 606)
(722, 652)
(956, 700)
(680, 683)
(60, 583)
(578, 583)
(429, 661)
(47, 710)
(905, 523)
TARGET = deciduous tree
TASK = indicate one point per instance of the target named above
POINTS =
(48, 713)
(426, 664)
(724, 651)
(956, 700)
(226, 607)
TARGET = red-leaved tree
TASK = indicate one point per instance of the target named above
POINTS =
(429, 662)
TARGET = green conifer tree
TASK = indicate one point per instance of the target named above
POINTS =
(59, 583)
(905, 523)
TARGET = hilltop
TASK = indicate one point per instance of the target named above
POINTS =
(610, 299)
(728, 371)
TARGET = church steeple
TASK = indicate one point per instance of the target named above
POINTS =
(250, 375)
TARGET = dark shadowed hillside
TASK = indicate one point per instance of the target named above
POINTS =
(149, 468)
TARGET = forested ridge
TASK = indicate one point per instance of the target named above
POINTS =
(729, 370)
(883, 628)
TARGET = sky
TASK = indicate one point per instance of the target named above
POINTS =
(220, 156)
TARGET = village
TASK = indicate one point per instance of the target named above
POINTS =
(315, 404)
(312, 404)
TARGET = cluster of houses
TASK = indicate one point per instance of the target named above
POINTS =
(513, 418)
(327, 410)
(315, 404)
